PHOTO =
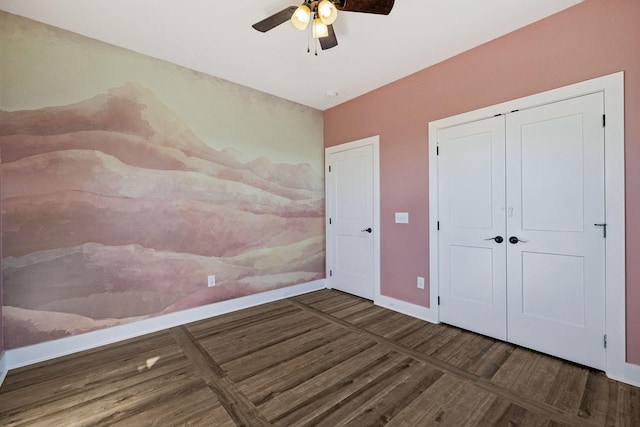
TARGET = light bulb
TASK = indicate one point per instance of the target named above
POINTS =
(327, 12)
(319, 29)
(301, 17)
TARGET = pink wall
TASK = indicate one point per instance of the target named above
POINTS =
(594, 38)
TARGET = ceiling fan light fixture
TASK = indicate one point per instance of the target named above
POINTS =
(319, 29)
(301, 17)
(327, 12)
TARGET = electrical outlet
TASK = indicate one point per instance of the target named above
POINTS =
(420, 282)
(402, 217)
(211, 281)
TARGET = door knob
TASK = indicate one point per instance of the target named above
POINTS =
(514, 240)
(368, 230)
(498, 239)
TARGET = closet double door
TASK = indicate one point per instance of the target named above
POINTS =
(521, 215)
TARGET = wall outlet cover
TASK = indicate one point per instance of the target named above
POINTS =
(402, 217)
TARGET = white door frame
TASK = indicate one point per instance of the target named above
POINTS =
(613, 88)
(374, 142)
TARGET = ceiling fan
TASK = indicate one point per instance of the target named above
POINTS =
(321, 15)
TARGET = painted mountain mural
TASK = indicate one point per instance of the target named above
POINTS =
(113, 210)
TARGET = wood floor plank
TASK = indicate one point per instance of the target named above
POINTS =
(449, 401)
(352, 309)
(428, 338)
(323, 358)
(357, 407)
(412, 328)
(628, 408)
(493, 358)
(467, 349)
(239, 408)
(201, 410)
(274, 355)
(500, 412)
(124, 353)
(378, 410)
(312, 298)
(436, 341)
(237, 343)
(568, 387)
(362, 316)
(391, 325)
(68, 382)
(335, 302)
(528, 373)
(65, 397)
(104, 406)
(522, 400)
(239, 319)
(272, 383)
(305, 402)
(594, 404)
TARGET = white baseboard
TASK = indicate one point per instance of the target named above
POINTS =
(51, 349)
(413, 310)
(628, 374)
(3, 367)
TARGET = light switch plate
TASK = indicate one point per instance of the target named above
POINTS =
(402, 217)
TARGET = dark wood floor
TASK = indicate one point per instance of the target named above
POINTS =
(324, 358)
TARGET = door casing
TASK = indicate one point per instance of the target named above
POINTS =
(613, 88)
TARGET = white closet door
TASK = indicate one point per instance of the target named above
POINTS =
(555, 196)
(471, 213)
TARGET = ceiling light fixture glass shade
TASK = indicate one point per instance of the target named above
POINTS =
(327, 12)
(319, 29)
(301, 17)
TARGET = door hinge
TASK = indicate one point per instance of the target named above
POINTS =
(437, 150)
(438, 226)
(604, 120)
(329, 168)
(329, 221)
(605, 341)
(604, 229)
(438, 300)
(330, 273)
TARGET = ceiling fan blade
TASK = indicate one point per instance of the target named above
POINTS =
(329, 41)
(382, 7)
(274, 20)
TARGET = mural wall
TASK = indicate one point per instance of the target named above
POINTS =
(126, 181)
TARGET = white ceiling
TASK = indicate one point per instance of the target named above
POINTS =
(215, 37)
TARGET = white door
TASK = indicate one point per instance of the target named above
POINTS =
(472, 254)
(536, 178)
(350, 212)
(555, 194)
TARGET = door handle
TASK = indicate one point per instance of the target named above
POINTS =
(498, 239)
(368, 230)
(513, 240)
